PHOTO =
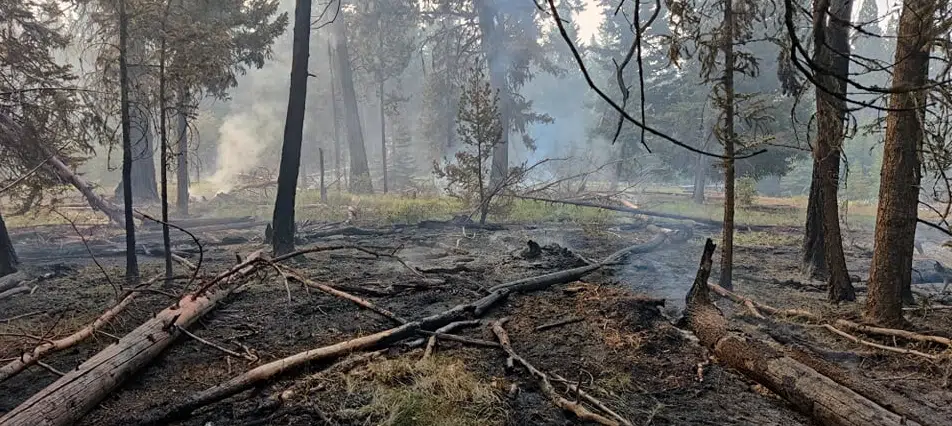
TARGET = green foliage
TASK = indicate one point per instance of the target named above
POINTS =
(41, 110)
(746, 191)
(479, 130)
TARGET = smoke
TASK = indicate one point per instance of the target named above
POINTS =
(243, 137)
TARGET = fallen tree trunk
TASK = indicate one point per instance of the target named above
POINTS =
(95, 201)
(811, 392)
(13, 280)
(68, 399)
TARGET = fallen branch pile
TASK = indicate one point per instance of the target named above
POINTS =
(812, 392)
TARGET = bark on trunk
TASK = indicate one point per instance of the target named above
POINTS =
(283, 241)
(132, 262)
(832, 50)
(181, 175)
(359, 170)
(811, 392)
(164, 153)
(727, 244)
(144, 188)
(383, 133)
(814, 259)
(337, 148)
(495, 58)
(700, 179)
(891, 268)
(8, 255)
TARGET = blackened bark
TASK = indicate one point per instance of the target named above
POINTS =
(359, 170)
(814, 258)
(144, 187)
(8, 255)
(832, 50)
(495, 58)
(164, 153)
(891, 268)
(181, 163)
(132, 262)
(283, 241)
(727, 242)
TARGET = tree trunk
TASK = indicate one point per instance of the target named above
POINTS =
(891, 268)
(814, 259)
(95, 201)
(164, 152)
(320, 158)
(359, 170)
(283, 241)
(832, 50)
(727, 244)
(8, 255)
(132, 262)
(700, 179)
(144, 188)
(181, 175)
(383, 132)
(337, 149)
(495, 58)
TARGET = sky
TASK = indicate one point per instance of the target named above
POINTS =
(589, 20)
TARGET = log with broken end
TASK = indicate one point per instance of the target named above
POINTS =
(811, 392)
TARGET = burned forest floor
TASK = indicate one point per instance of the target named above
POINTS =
(613, 331)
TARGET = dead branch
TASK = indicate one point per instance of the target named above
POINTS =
(14, 291)
(559, 323)
(248, 355)
(574, 407)
(21, 316)
(431, 342)
(29, 358)
(297, 276)
(643, 212)
(13, 280)
(855, 339)
(460, 339)
(592, 400)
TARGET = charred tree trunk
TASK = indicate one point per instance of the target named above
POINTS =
(283, 241)
(495, 58)
(8, 256)
(727, 244)
(359, 170)
(181, 163)
(334, 108)
(891, 270)
(814, 255)
(832, 50)
(132, 263)
(320, 158)
(144, 188)
(164, 152)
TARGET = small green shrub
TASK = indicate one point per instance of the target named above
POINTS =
(745, 191)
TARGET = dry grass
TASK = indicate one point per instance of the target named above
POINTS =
(437, 392)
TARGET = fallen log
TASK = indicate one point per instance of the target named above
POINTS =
(95, 201)
(70, 397)
(13, 280)
(14, 291)
(811, 392)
